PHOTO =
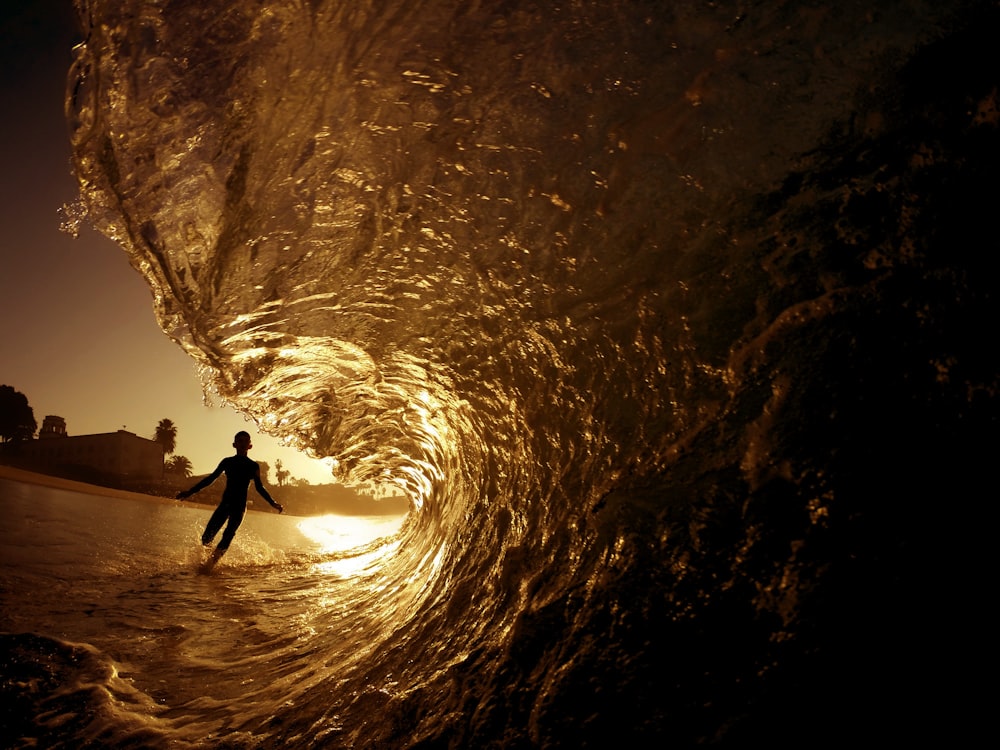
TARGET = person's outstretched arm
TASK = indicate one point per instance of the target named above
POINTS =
(202, 484)
(259, 486)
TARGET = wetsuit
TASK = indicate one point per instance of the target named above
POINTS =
(239, 471)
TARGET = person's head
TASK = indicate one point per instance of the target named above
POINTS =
(242, 441)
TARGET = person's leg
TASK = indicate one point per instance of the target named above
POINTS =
(214, 524)
(235, 519)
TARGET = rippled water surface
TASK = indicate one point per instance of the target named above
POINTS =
(113, 630)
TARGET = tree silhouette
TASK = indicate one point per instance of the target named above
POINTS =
(280, 473)
(166, 435)
(179, 465)
(17, 420)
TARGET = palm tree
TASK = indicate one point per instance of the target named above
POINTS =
(166, 435)
(179, 465)
(280, 473)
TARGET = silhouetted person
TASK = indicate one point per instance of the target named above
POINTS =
(240, 470)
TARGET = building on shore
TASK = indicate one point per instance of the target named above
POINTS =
(114, 459)
(52, 427)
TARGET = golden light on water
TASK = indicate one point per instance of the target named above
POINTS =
(337, 536)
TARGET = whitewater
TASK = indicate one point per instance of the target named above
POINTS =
(668, 319)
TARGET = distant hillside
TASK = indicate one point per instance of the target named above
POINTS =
(310, 500)
(317, 499)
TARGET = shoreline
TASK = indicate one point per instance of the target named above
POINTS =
(71, 485)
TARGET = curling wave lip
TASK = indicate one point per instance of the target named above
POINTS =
(659, 315)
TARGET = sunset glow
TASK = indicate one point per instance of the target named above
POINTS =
(78, 336)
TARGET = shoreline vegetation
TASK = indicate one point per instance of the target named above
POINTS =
(308, 500)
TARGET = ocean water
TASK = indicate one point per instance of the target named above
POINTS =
(115, 636)
(672, 320)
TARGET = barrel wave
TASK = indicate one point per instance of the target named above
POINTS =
(662, 315)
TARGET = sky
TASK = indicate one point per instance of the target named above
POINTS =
(77, 332)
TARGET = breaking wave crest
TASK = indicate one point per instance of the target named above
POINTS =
(611, 291)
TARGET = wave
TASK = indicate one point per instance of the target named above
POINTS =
(652, 313)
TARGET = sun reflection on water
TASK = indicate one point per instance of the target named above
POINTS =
(355, 544)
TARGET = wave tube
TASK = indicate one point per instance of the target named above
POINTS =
(658, 314)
